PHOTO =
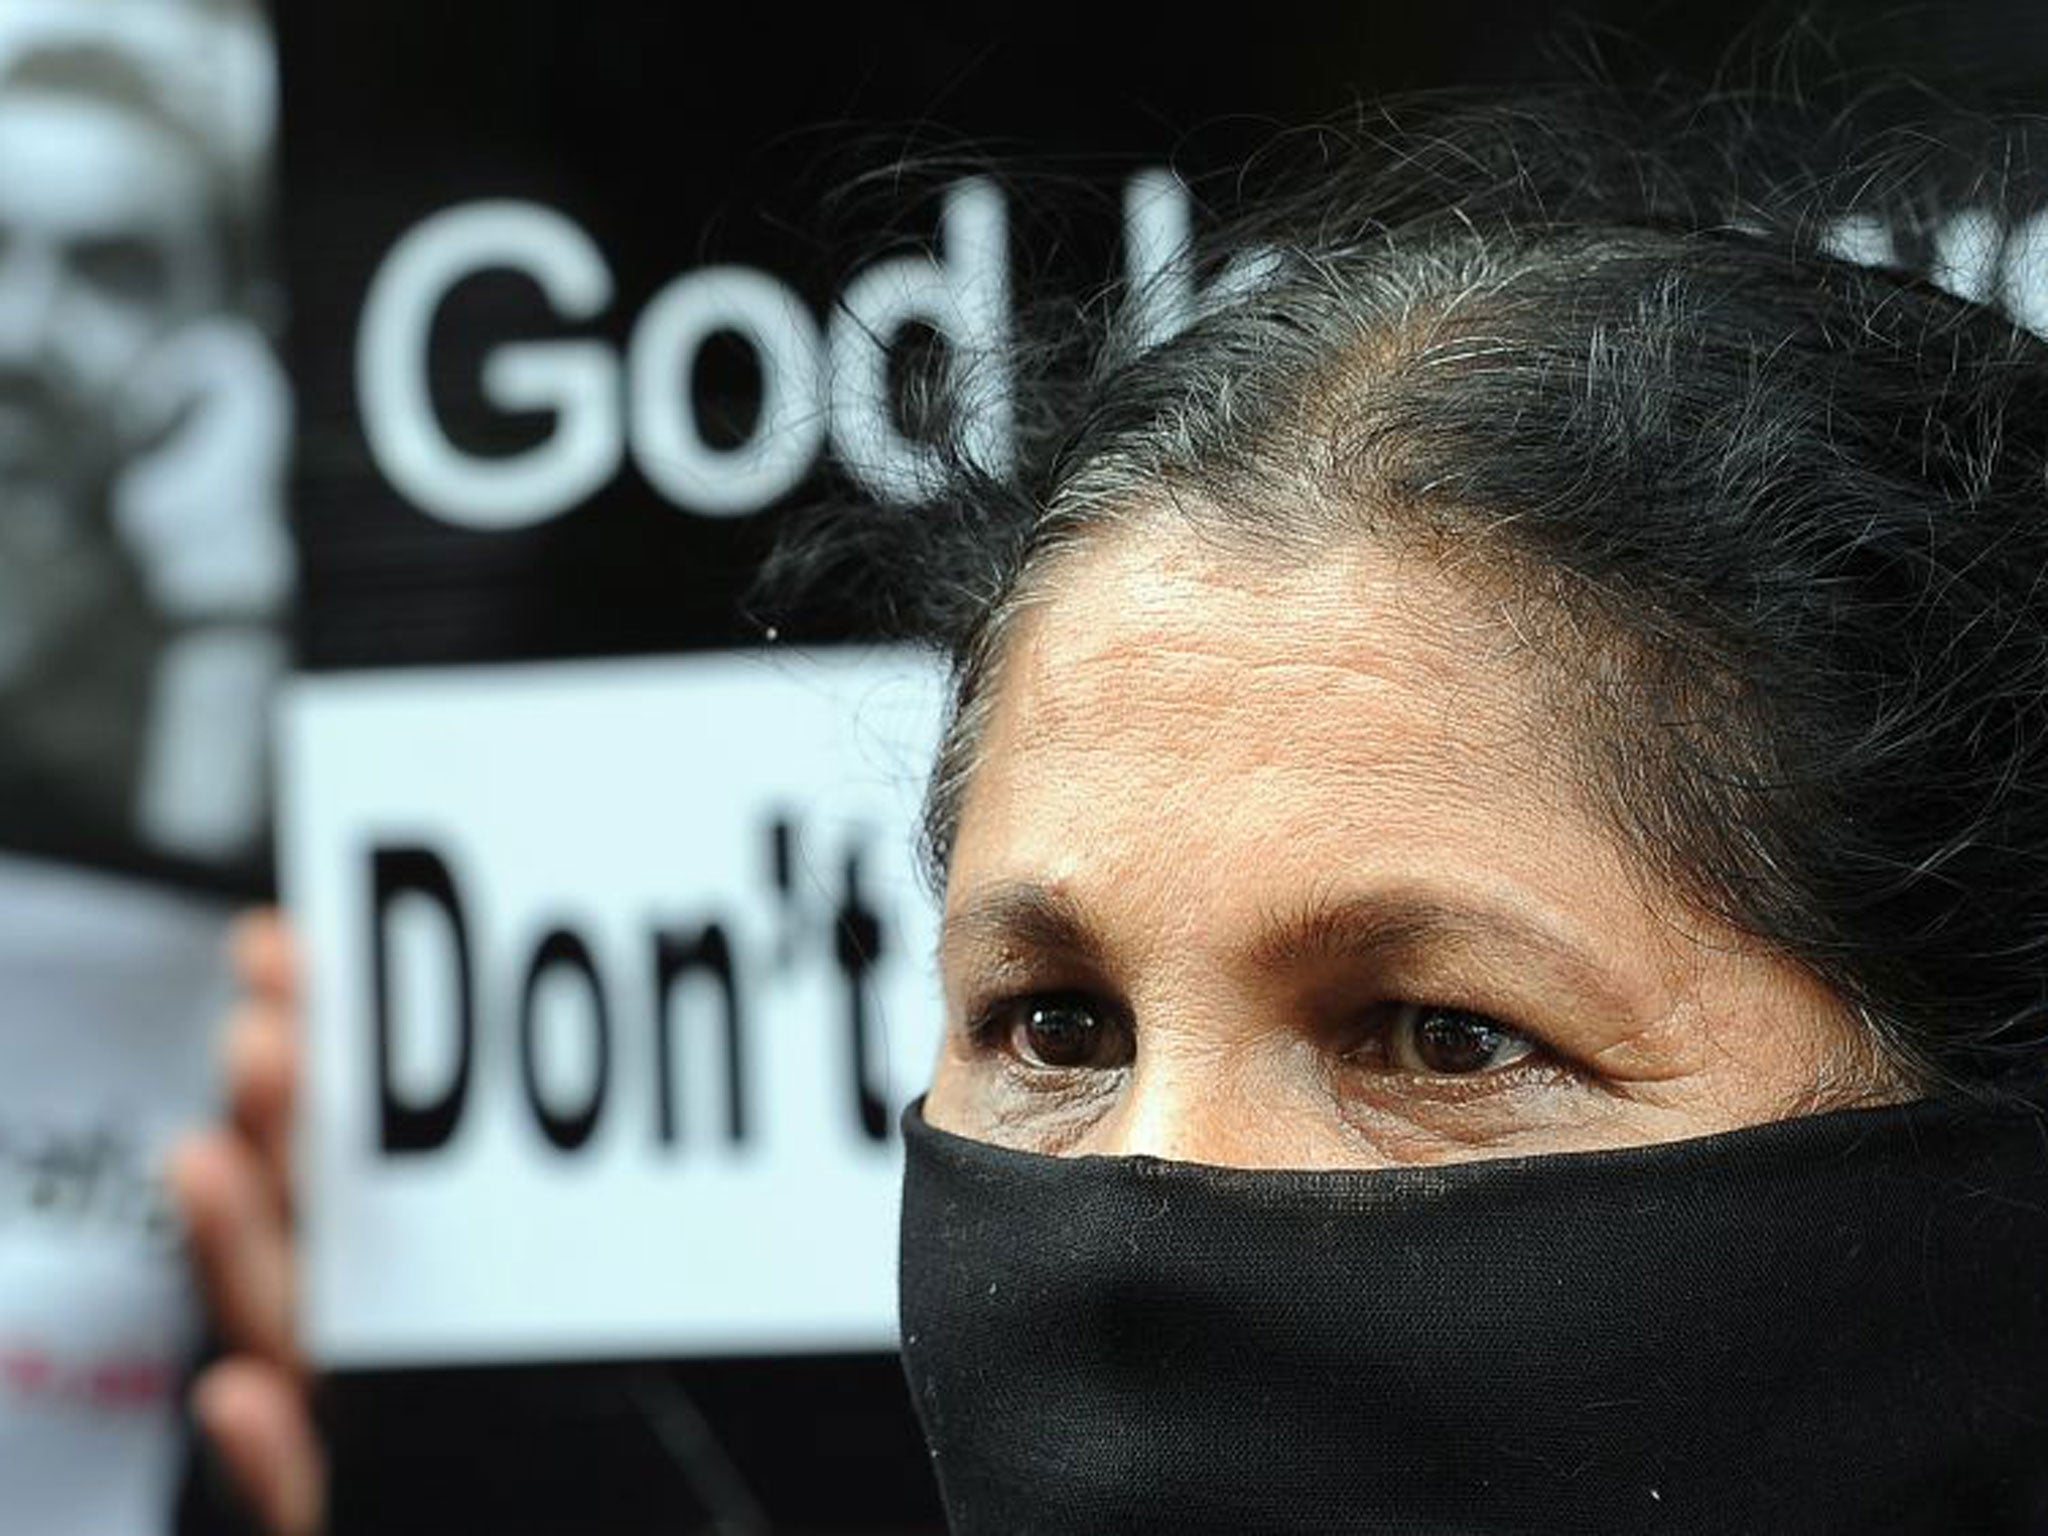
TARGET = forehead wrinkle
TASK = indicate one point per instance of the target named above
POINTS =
(1141, 676)
(1388, 925)
(1446, 647)
(1324, 718)
(1081, 694)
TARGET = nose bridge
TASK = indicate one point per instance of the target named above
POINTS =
(1195, 1105)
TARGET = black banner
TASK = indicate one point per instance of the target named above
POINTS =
(573, 290)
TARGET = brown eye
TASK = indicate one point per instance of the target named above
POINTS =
(1451, 1042)
(1063, 1031)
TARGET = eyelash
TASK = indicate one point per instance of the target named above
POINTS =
(994, 1028)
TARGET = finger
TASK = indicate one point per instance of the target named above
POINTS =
(261, 1058)
(239, 1243)
(260, 946)
(258, 1418)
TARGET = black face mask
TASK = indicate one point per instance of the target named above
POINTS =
(1834, 1324)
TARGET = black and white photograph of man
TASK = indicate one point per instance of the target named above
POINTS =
(143, 420)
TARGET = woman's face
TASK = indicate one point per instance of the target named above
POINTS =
(1285, 866)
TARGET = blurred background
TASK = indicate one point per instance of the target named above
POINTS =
(441, 375)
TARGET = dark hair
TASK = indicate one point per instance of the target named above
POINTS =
(1778, 520)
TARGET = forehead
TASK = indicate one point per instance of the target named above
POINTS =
(80, 168)
(1180, 729)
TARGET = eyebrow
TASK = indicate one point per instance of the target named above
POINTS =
(1375, 926)
(1385, 924)
(1020, 914)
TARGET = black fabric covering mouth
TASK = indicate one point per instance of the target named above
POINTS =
(1830, 1324)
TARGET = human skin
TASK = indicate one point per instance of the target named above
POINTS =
(1256, 848)
(232, 1187)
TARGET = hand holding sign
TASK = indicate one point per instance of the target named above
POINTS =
(232, 1186)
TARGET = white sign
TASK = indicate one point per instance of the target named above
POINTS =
(619, 976)
(111, 993)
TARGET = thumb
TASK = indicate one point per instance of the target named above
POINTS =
(258, 1418)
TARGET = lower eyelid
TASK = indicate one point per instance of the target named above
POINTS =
(1376, 1026)
(1399, 1091)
